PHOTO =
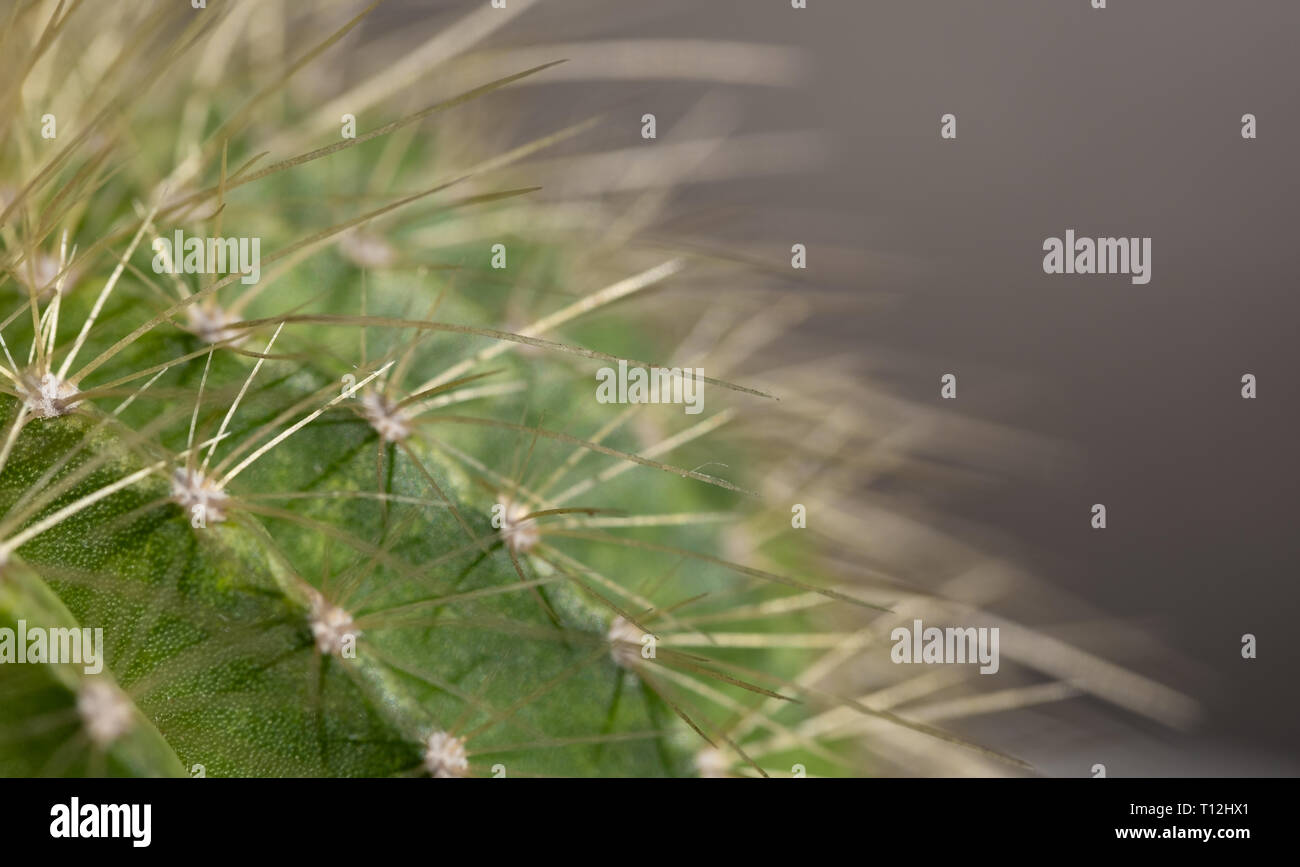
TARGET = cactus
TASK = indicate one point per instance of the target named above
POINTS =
(365, 516)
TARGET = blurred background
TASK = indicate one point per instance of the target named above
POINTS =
(1123, 121)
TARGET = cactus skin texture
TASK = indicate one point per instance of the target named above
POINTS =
(343, 603)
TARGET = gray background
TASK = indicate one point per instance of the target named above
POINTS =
(1124, 121)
